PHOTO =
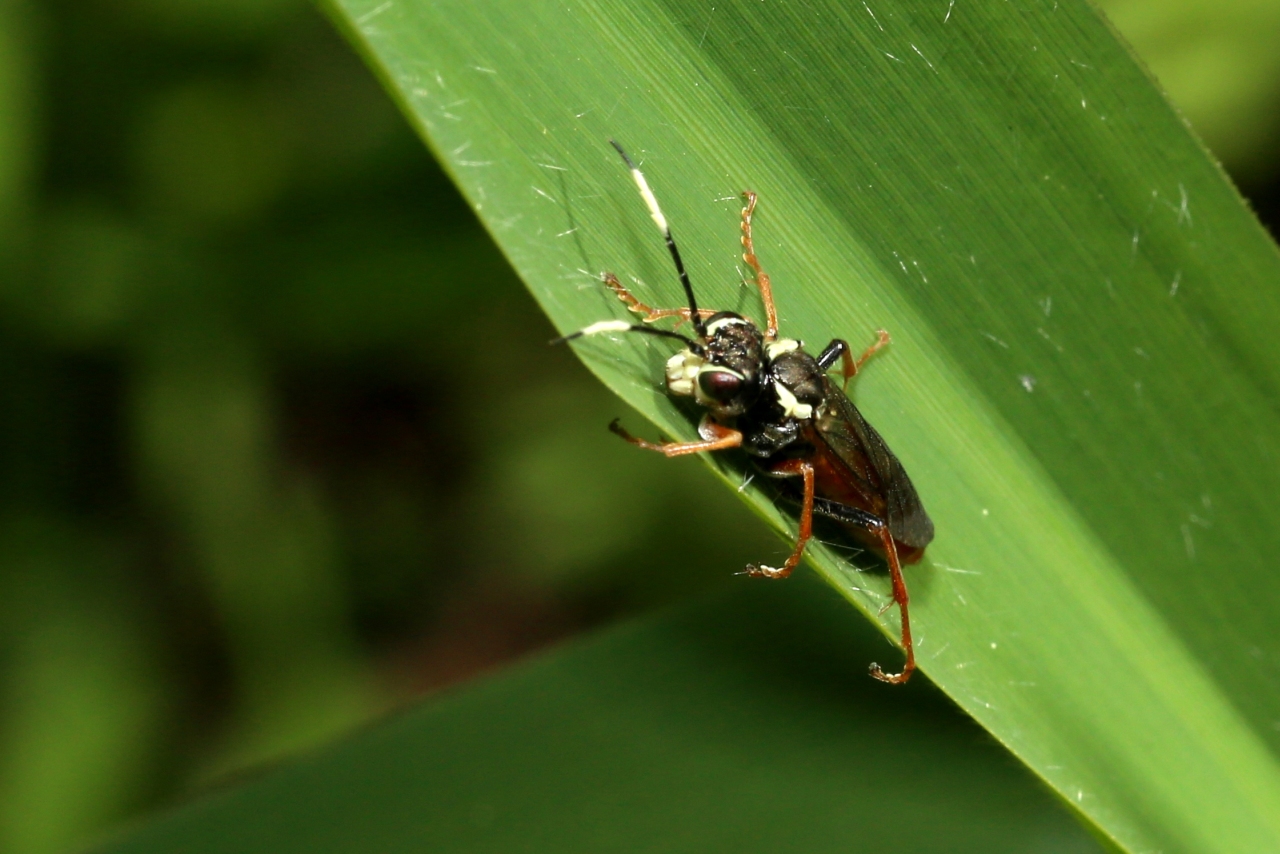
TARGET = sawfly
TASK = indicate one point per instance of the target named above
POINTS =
(765, 396)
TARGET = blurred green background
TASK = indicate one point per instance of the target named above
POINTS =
(283, 444)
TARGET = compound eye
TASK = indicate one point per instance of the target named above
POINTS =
(720, 386)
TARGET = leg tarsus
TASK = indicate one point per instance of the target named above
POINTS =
(882, 340)
(762, 278)
(899, 596)
(805, 470)
(892, 678)
(648, 314)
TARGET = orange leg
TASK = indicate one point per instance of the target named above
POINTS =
(882, 340)
(762, 278)
(722, 438)
(849, 367)
(900, 597)
(650, 314)
(805, 470)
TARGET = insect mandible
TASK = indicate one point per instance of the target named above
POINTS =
(766, 396)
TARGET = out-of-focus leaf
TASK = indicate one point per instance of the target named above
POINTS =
(738, 724)
(1220, 66)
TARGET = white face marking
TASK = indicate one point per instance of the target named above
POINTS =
(682, 371)
(607, 326)
(791, 407)
(782, 345)
(719, 369)
(723, 322)
(650, 199)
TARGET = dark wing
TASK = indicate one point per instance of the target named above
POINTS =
(856, 444)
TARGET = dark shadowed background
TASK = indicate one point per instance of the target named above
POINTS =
(282, 446)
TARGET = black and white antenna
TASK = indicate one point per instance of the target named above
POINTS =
(604, 326)
(661, 221)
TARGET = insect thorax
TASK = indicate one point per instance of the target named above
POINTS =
(797, 380)
(792, 395)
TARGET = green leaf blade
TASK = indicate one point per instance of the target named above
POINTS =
(1083, 367)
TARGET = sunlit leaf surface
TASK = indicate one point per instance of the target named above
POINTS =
(1084, 370)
